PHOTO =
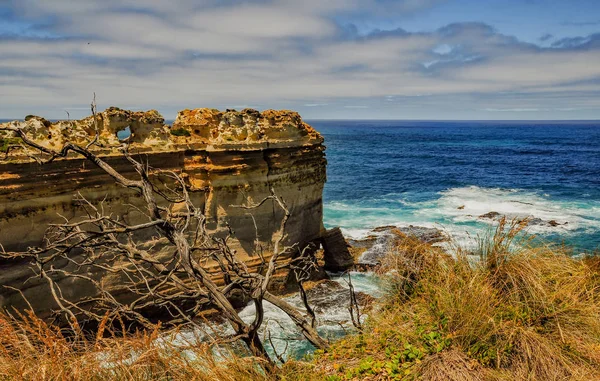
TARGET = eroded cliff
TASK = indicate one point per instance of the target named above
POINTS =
(226, 158)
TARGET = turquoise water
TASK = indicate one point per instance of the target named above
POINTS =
(447, 174)
(329, 303)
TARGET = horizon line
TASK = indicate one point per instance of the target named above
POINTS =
(385, 119)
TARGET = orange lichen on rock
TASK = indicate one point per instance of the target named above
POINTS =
(246, 126)
(148, 132)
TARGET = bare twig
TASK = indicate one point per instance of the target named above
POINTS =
(354, 307)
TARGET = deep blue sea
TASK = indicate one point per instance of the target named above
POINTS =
(447, 174)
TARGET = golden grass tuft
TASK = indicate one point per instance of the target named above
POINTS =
(32, 350)
(521, 312)
(450, 365)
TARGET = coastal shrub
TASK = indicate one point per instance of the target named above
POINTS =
(520, 312)
(507, 311)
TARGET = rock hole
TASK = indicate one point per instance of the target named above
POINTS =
(124, 134)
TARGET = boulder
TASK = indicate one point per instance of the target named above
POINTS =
(337, 257)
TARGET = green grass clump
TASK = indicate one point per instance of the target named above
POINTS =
(180, 132)
(6, 142)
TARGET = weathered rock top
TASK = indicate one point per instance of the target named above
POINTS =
(201, 128)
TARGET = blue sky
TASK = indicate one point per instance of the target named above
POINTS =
(377, 59)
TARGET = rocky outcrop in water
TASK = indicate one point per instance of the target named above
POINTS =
(337, 257)
(226, 158)
(373, 248)
(532, 221)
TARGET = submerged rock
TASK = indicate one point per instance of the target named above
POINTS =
(551, 223)
(536, 221)
(490, 215)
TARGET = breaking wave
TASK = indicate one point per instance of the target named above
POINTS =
(459, 212)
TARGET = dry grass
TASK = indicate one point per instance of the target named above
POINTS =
(32, 350)
(520, 313)
(450, 365)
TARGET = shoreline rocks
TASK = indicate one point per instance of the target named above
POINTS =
(532, 221)
(370, 250)
(336, 255)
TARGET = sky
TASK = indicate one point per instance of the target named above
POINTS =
(327, 59)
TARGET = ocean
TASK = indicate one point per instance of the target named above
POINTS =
(448, 174)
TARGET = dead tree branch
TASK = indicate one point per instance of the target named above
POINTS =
(165, 271)
(354, 307)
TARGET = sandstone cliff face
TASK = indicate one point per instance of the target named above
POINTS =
(226, 158)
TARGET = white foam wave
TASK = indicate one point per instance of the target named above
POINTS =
(369, 283)
(458, 212)
(467, 204)
(356, 233)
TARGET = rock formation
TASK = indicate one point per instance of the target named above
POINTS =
(378, 244)
(226, 158)
(337, 257)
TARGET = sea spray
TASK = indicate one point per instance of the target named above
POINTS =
(422, 172)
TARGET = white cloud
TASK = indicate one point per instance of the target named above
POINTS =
(512, 109)
(186, 53)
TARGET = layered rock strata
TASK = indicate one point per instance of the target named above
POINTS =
(227, 159)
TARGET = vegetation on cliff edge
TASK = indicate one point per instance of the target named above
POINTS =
(520, 313)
